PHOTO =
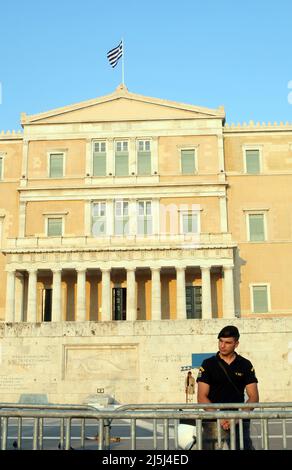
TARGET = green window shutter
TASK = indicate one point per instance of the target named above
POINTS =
(144, 163)
(260, 299)
(55, 227)
(188, 162)
(122, 164)
(99, 164)
(256, 228)
(252, 161)
(56, 165)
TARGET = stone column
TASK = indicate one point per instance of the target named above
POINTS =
(32, 297)
(132, 156)
(228, 293)
(88, 161)
(10, 297)
(155, 294)
(106, 295)
(131, 295)
(19, 297)
(181, 309)
(154, 156)
(206, 293)
(110, 218)
(110, 154)
(81, 295)
(132, 218)
(155, 216)
(24, 164)
(57, 296)
(22, 219)
(223, 214)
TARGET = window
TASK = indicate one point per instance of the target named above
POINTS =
(144, 222)
(121, 218)
(56, 163)
(188, 166)
(1, 167)
(256, 227)
(99, 159)
(190, 222)
(144, 157)
(122, 158)
(260, 298)
(55, 226)
(98, 218)
(252, 161)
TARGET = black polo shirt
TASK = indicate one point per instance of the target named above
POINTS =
(241, 372)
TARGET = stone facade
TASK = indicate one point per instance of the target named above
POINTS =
(134, 362)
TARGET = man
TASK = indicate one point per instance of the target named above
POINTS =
(223, 379)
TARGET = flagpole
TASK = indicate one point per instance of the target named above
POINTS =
(123, 65)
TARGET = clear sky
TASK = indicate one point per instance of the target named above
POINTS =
(232, 53)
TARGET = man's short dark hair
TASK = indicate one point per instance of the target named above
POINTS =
(229, 331)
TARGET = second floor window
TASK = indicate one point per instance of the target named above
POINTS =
(99, 159)
(188, 164)
(56, 162)
(121, 158)
(190, 222)
(144, 157)
(98, 218)
(144, 219)
(55, 227)
(121, 218)
(256, 224)
(252, 161)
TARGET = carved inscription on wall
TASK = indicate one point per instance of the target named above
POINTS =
(11, 383)
(28, 360)
(104, 362)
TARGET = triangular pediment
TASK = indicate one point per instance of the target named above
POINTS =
(122, 106)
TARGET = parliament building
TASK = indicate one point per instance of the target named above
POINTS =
(126, 209)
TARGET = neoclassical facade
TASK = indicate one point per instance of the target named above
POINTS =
(132, 208)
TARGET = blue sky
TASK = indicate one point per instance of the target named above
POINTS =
(236, 54)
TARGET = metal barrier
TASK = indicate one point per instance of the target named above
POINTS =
(167, 414)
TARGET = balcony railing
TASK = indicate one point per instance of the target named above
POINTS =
(134, 241)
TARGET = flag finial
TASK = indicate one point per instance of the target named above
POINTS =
(122, 87)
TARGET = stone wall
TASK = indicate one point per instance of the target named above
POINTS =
(135, 362)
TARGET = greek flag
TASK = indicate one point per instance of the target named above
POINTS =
(115, 54)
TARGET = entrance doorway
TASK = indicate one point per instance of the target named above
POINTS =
(119, 303)
(47, 304)
(194, 301)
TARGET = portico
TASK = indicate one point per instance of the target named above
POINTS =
(165, 286)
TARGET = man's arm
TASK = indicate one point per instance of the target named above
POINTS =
(252, 393)
(202, 394)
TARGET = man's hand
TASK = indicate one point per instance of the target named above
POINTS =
(225, 424)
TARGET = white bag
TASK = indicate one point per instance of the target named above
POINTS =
(186, 436)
